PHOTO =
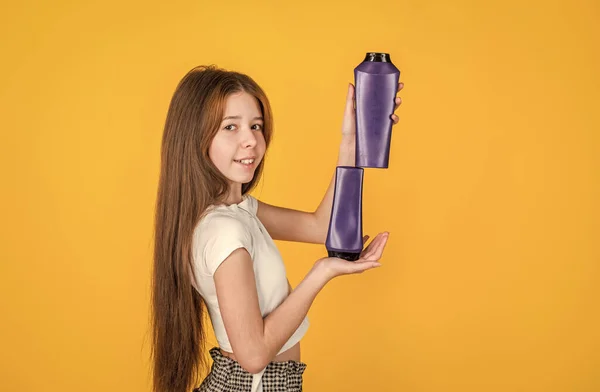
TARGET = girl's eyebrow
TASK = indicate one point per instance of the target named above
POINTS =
(239, 118)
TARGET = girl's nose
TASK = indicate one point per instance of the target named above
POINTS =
(248, 138)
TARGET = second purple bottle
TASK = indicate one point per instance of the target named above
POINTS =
(344, 237)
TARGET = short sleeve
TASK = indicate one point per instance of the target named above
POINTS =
(218, 238)
(252, 204)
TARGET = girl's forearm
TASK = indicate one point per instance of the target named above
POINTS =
(280, 324)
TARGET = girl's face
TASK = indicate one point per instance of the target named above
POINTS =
(239, 145)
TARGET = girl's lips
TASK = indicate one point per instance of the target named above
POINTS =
(245, 165)
(245, 159)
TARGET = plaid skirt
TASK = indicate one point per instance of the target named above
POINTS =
(226, 375)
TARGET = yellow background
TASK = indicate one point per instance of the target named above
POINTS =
(491, 277)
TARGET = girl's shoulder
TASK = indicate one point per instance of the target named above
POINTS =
(222, 217)
(248, 205)
(221, 230)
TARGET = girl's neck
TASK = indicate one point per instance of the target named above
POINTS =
(235, 195)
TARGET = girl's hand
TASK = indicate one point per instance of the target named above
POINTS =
(349, 123)
(369, 258)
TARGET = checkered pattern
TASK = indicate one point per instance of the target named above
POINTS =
(227, 375)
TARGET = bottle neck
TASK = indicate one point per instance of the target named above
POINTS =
(377, 57)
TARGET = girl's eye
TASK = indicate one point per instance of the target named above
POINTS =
(257, 127)
(229, 127)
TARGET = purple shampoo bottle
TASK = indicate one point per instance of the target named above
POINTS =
(344, 238)
(376, 81)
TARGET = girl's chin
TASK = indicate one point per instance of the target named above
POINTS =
(241, 179)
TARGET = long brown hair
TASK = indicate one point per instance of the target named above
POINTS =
(189, 182)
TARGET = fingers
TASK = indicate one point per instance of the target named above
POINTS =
(375, 250)
(397, 103)
(377, 253)
(367, 249)
(360, 267)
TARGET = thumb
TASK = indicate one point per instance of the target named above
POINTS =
(350, 99)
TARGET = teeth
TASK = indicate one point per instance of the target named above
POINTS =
(246, 161)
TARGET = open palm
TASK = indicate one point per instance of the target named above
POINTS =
(369, 258)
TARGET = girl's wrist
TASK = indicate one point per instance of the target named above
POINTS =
(346, 155)
(320, 273)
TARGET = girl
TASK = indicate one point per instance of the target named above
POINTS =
(214, 243)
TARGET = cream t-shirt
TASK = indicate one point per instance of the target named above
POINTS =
(224, 229)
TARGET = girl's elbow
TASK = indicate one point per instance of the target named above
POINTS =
(253, 364)
(253, 357)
